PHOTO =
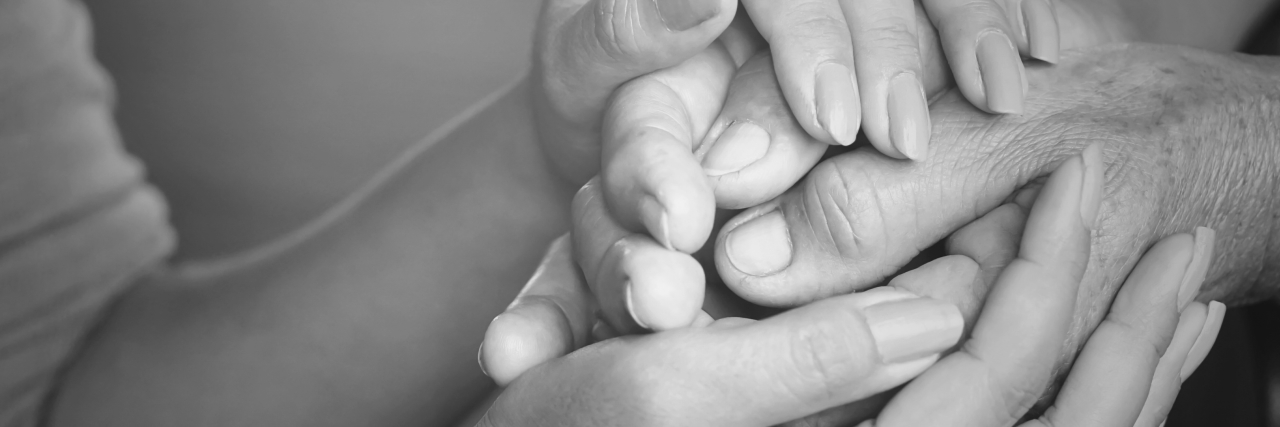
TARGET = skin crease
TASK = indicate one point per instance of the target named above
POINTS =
(183, 337)
(1187, 136)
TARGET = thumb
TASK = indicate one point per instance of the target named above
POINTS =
(584, 51)
(860, 216)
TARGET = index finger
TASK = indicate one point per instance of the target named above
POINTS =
(1002, 370)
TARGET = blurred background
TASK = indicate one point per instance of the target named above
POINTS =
(255, 115)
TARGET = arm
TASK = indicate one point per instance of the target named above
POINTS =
(374, 316)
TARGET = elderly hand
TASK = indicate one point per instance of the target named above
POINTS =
(1161, 115)
(839, 350)
(671, 154)
(859, 216)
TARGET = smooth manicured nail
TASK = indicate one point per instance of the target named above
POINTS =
(655, 219)
(1198, 268)
(913, 328)
(1042, 29)
(1091, 187)
(1057, 207)
(1204, 342)
(836, 96)
(761, 246)
(480, 360)
(631, 309)
(1002, 74)
(680, 15)
(909, 127)
(742, 144)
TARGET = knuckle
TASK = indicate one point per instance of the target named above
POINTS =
(896, 40)
(822, 366)
(984, 11)
(619, 29)
(844, 208)
(815, 20)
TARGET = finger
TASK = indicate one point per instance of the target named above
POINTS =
(653, 181)
(1110, 380)
(1009, 360)
(980, 46)
(756, 149)
(895, 111)
(549, 318)
(592, 47)
(1197, 331)
(1040, 25)
(858, 217)
(819, 356)
(813, 56)
(639, 284)
(741, 373)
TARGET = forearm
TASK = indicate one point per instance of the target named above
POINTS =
(374, 319)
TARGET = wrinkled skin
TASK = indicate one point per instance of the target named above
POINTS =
(1187, 136)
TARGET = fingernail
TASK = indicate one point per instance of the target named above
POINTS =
(480, 360)
(761, 246)
(1091, 185)
(680, 15)
(1057, 207)
(914, 328)
(631, 309)
(1042, 29)
(1002, 75)
(742, 144)
(909, 127)
(1197, 268)
(836, 96)
(654, 216)
(1204, 342)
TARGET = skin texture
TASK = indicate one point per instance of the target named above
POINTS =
(1161, 114)
(385, 299)
(678, 377)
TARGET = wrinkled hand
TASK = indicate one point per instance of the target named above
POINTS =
(671, 154)
(1158, 112)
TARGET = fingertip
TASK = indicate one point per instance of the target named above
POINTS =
(837, 102)
(1214, 316)
(665, 289)
(655, 185)
(521, 338)
(909, 124)
(1004, 80)
(1041, 22)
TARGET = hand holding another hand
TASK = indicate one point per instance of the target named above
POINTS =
(843, 349)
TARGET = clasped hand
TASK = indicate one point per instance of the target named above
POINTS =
(698, 115)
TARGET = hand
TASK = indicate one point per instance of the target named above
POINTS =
(551, 316)
(585, 49)
(850, 62)
(753, 151)
(1158, 112)
(797, 363)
